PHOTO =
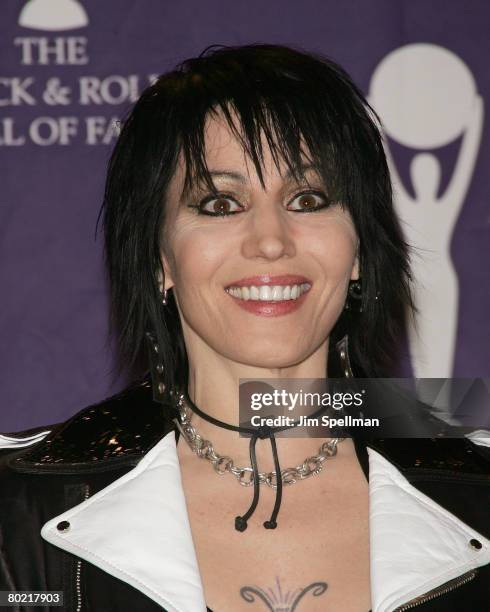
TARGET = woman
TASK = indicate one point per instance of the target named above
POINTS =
(249, 234)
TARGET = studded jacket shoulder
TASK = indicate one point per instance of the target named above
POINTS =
(117, 431)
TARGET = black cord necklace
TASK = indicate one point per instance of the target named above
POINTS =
(261, 432)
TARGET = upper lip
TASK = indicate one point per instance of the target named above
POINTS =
(267, 279)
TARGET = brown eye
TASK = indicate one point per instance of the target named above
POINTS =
(308, 202)
(219, 206)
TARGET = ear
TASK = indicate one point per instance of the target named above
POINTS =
(356, 268)
(164, 273)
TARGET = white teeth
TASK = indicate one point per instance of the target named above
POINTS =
(276, 293)
(254, 293)
(265, 293)
(269, 293)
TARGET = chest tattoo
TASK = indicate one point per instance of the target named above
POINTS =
(278, 599)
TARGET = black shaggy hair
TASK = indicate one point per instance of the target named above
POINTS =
(294, 99)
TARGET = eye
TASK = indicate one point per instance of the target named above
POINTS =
(218, 206)
(309, 201)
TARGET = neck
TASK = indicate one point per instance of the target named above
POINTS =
(214, 388)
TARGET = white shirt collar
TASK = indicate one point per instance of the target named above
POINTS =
(138, 530)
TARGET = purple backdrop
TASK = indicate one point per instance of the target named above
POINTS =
(60, 93)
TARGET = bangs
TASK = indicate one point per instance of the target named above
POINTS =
(302, 118)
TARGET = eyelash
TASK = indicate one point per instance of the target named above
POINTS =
(210, 198)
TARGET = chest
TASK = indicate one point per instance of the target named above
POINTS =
(317, 559)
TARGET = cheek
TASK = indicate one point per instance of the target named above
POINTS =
(197, 255)
(333, 247)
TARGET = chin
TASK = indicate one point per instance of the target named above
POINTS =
(279, 356)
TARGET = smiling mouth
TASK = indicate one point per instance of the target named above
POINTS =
(268, 293)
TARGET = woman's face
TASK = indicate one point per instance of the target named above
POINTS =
(263, 283)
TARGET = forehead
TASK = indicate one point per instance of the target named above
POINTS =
(220, 143)
(224, 144)
(225, 147)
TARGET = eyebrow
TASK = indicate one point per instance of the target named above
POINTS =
(240, 178)
(236, 176)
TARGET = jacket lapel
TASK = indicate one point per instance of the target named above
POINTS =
(138, 530)
(416, 544)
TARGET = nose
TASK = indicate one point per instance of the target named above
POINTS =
(269, 233)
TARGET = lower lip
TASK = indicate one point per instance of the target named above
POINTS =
(270, 309)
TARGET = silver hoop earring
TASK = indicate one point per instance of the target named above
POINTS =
(164, 297)
(342, 347)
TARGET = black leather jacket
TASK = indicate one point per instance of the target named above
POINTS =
(103, 442)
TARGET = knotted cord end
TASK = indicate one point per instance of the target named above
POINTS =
(240, 523)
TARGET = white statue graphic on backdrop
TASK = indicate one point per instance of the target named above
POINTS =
(426, 98)
(53, 15)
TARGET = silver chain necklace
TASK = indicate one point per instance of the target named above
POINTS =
(223, 464)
